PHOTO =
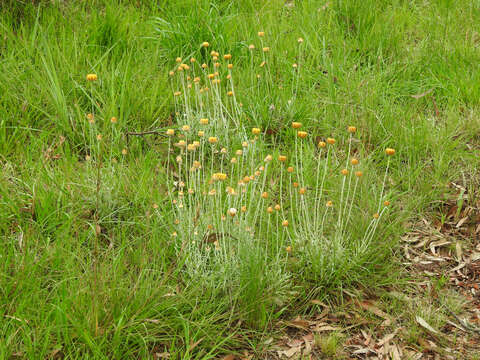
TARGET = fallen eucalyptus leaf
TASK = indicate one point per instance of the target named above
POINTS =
(424, 324)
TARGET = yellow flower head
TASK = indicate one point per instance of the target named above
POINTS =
(124, 152)
(261, 33)
(204, 66)
(266, 49)
(331, 141)
(186, 128)
(389, 151)
(232, 212)
(251, 46)
(177, 93)
(302, 134)
(113, 120)
(230, 66)
(265, 195)
(296, 125)
(181, 143)
(344, 172)
(230, 93)
(219, 176)
(178, 60)
(277, 207)
(285, 223)
(201, 133)
(256, 131)
(239, 152)
(282, 158)
(352, 129)
(269, 210)
(170, 132)
(358, 174)
(197, 164)
(268, 158)
(302, 191)
(212, 140)
(300, 40)
(204, 121)
(243, 208)
(321, 144)
(290, 169)
(92, 77)
(376, 216)
(205, 44)
(354, 161)
(329, 203)
(227, 56)
(386, 203)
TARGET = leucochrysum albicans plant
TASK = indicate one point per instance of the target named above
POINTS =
(247, 216)
(233, 197)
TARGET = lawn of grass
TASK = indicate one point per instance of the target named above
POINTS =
(92, 259)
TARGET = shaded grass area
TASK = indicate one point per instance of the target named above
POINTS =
(361, 64)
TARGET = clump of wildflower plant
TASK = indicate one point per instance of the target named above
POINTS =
(230, 194)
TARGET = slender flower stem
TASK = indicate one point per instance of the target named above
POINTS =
(383, 185)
